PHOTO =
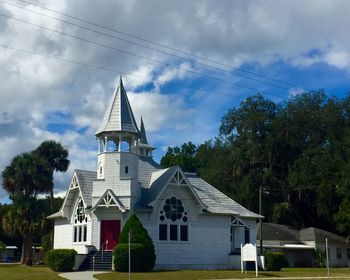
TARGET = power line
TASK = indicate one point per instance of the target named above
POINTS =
(161, 45)
(143, 46)
(136, 55)
(116, 71)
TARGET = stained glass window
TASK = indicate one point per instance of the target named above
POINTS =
(173, 221)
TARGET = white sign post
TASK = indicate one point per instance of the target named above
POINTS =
(249, 254)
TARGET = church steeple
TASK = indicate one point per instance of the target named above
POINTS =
(118, 124)
(119, 116)
(143, 139)
(144, 149)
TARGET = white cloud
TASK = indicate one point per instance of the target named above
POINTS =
(234, 32)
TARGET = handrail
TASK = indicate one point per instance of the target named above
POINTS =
(106, 247)
(93, 257)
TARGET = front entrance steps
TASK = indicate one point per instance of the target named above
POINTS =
(103, 261)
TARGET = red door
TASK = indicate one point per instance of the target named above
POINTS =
(110, 230)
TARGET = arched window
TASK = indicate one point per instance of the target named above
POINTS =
(126, 169)
(173, 221)
(80, 223)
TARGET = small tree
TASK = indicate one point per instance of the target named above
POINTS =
(139, 235)
(2, 247)
(320, 257)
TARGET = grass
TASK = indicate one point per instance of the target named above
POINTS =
(22, 272)
(224, 274)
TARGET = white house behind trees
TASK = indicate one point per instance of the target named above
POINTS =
(193, 225)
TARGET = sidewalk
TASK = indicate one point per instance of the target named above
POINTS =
(81, 275)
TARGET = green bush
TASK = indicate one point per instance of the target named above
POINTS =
(138, 257)
(143, 246)
(274, 261)
(2, 247)
(61, 259)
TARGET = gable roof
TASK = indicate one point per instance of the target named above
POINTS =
(216, 201)
(283, 233)
(319, 235)
(83, 185)
(158, 182)
(278, 232)
(119, 116)
(113, 201)
(211, 199)
(85, 179)
(146, 167)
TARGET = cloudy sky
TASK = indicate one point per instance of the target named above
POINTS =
(184, 63)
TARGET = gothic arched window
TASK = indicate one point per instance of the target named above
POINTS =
(80, 223)
(173, 220)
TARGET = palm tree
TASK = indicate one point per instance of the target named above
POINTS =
(23, 179)
(26, 218)
(26, 176)
(56, 160)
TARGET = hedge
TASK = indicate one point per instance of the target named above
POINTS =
(274, 261)
(61, 259)
(142, 247)
(138, 257)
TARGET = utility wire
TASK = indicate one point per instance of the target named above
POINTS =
(116, 71)
(136, 55)
(162, 45)
(144, 46)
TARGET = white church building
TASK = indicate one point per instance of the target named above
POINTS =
(193, 225)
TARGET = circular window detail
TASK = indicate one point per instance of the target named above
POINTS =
(173, 209)
(162, 218)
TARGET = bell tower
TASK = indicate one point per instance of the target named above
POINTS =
(117, 159)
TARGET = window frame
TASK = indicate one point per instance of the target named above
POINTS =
(178, 223)
(80, 228)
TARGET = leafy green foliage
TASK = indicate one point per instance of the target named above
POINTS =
(46, 241)
(320, 257)
(139, 255)
(2, 247)
(298, 151)
(61, 259)
(139, 236)
(274, 261)
(182, 156)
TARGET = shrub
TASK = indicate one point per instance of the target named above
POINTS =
(320, 257)
(46, 241)
(2, 247)
(61, 259)
(274, 261)
(138, 257)
(142, 244)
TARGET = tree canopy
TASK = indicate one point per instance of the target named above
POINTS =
(298, 151)
(28, 175)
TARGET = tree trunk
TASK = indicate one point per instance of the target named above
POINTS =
(24, 245)
(29, 251)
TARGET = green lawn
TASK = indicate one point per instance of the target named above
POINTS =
(22, 272)
(222, 274)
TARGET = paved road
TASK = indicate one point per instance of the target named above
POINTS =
(81, 275)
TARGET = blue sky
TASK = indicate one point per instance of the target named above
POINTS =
(181, 97)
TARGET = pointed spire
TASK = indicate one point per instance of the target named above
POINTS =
(143, 139)
(119, 116)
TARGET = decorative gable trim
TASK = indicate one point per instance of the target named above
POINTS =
(109, 199)
(73, 186)
(179, 179)
(237, 222)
